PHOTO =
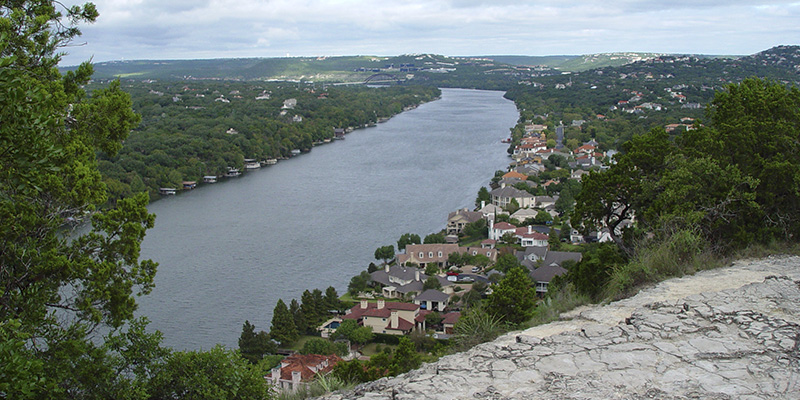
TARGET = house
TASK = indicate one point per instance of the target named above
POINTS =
(534, 257)
(448, 323)
(289, 103)
(524, 213)
(392, 318)
(544, 201)
(424, 254)
(298, 370)
(545, 265)
(530, 238)
(489, 211)
(578, 174)
(496, 231)
(502, 197)
(432, 300)
(457, 220)
(399, 281)
(543, 275)
(488, 244)
(515, 174)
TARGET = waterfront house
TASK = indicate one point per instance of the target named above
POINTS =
(425, 254)
(399, 281)
(432, 300)
(502, 196)
(298, 370)
(457, 220)
(391, 318)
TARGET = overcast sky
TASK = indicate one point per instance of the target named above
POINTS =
(190, 29)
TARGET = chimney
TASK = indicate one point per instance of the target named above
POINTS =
(416, 275)
(295, 380)
(483, 203)
(491, 229)
(386, 268)
(363, 304)
(529, 229)
(276, 376)
(395, 320)
(381, 304)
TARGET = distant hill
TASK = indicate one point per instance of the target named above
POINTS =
(481, 72)
(577, 63)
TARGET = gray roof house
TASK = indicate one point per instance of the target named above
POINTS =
(502, 196)
(432, 299)
(398, 281)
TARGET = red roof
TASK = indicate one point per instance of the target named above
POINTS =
(372, 309)
(451, 317)
(308, 365)
(504, 226)
(402, 325)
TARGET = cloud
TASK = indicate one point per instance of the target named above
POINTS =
(239, 28)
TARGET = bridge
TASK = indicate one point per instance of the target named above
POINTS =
(383, 78)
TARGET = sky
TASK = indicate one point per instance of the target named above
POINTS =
(205, 29)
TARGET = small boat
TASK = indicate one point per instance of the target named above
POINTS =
(252, 165)
(271, 161)
(506, 140)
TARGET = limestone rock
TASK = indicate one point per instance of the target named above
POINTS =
(730, 333)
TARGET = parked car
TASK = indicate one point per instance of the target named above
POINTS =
(476, 269)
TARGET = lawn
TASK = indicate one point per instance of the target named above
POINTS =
(372, 348)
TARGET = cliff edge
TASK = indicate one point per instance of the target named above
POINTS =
(728, 333)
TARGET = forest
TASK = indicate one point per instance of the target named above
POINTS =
(194, 129)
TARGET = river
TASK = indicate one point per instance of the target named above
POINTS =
(228, 251)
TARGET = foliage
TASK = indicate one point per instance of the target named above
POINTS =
(512, 300)
(434, 238)
(506, 262)
(431, 269)
(358, 283)
(405, 357)
(432, 283)
(324, 347)
(594, 270)
(350, 330)
(384, 253)
(477, 229)
(406, 239)
(254, 346)
(215, 374)
(483, 197)
(476, 326)
(283, 329)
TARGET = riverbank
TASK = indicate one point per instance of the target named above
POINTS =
(227, 255)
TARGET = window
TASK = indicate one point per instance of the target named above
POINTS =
(430, 254)
(488, 254)
(474, 252)
(421, 255)
(440, 254)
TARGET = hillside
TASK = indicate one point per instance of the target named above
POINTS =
(720, 334)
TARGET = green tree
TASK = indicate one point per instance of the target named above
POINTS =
(513, 299)
(358, 283)
(483, 197)
(594, 270)
(405, 358)
(324, 347)
(55, 291)
(506, 262)
(553, 240)
(214, 374)
(476, 229)
(434, 238)
(431, 269)
(332, 301)
(384, 253)
(406, 239)
(432, 283)
(254, 346)
(282, 328)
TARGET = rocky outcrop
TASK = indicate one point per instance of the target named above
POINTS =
(730, 333)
